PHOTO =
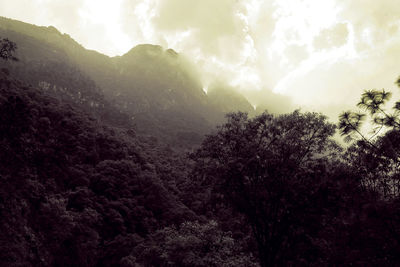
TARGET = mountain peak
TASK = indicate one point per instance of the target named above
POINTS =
(53, 29)
(149, 49)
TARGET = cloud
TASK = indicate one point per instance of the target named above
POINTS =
(356, 52)
(211, 19)
(313, 51)
(93, 23)
(216, 35)
(205, 30)
(332, 37)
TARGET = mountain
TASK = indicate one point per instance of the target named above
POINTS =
(47, 65)
(74, 191)
(156, 90)
(90, 166)
(92, 171)
(228, 100)
(160, 88)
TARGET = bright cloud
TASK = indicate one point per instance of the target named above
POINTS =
(319, 53)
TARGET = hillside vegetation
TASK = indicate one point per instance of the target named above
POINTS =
(118, 162)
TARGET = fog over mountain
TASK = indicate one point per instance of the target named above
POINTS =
(305, 50)
(141, 133)
(158, 89)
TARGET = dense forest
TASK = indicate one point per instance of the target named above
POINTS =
(126, 161)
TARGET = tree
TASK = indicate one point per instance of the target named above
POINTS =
(372, 102)
(192, 244)
(375, 156)
(269, 168)
(7, 49)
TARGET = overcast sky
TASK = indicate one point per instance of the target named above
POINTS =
(320, 53)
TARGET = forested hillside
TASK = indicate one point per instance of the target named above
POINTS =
(157, 88)
(107, 162)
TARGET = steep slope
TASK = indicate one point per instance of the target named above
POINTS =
(160, 77)
(156, 88)
(228, 100)
(50, 68)
(92, 62)
(74, 192)
(161, 89)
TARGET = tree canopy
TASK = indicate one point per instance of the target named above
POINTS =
(7, 49)
(375, 155)
(81, 185)
(264, 167)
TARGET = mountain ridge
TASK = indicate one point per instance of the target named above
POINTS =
(156, 87)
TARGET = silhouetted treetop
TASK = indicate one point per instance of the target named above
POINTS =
(265, 167)
(373, 103)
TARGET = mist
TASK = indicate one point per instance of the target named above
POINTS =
(199, 133)
(264, 48)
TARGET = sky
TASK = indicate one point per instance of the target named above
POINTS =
(314, 54)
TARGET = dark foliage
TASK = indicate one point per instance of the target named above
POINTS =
(265, 167)
(192, 244)
(81, 186)
(73, 191)
(7, 49)
(304, 203)
(156, 89)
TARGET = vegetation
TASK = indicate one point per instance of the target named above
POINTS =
(376, 157)
(80, 185)
(265, 167)
(7, 49)
(70, 185)
(192, 244)
(373, 102)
